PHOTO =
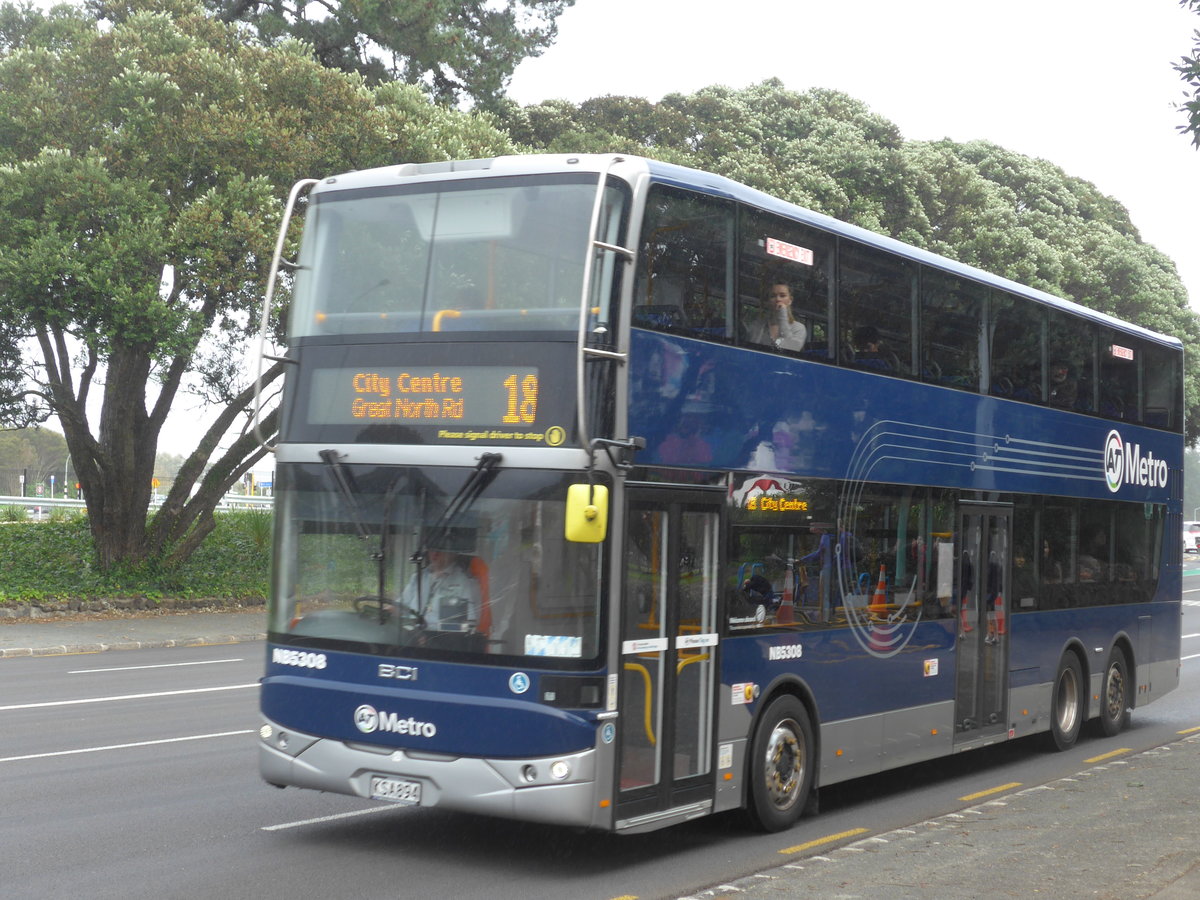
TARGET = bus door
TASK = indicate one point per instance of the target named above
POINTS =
(982, 589)
(668, 659)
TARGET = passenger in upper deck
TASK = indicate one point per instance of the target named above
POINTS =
(776, 326)
(868, 349)
(1063, 388)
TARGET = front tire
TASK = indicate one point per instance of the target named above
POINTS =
(1114, 700)
(1067, 703)
(782, 765)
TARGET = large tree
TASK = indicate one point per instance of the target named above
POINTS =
(457, 49)
(163, 137)
(1019, 217)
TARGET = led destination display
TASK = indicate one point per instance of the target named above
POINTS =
(453, 396)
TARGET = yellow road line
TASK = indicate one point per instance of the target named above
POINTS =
(1104, 756)
(800, 848)
(996, 790)
(1189, 730)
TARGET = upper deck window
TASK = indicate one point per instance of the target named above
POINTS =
(875, 310)
(1016, 335)
(1071, 369)
(488, 254)
(951, 330)
(785, 286)
(685, 266)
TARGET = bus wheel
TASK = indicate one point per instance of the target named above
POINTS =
(1066, 703)
(1114, 702)
(782, 765)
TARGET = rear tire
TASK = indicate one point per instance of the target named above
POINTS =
(1114, 697)
(782, 765)
(1067, 702)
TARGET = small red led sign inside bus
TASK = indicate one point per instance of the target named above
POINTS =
(1120, 352)
(802, 255)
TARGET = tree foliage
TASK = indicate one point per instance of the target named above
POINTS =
(457, 49)
(1023, 218)
(1188, 68)
(164, 137)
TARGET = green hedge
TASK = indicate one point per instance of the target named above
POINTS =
(54, 561)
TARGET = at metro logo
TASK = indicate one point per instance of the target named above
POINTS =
(1125, 464)
(368, 720)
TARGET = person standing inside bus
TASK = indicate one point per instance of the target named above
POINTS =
(776, 326)
(835, 557)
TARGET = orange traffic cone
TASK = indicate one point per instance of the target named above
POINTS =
(879, 599)
(787, 609)
(1001, 619)
(966, 623)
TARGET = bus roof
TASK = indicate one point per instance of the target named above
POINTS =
(630, 167)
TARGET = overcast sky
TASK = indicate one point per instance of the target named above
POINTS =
(1085, 84)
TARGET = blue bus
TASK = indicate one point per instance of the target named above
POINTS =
(613, 494)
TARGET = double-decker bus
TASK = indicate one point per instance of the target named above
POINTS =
(613, 494)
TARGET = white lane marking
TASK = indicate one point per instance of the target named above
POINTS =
(318, 821)
(206, 662)
(49, 703)
(194, 737)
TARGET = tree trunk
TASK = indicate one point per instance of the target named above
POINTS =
(127, 446)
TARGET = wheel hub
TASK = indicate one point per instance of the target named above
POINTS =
(785, 765)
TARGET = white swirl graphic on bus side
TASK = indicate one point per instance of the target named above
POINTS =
(882, 629)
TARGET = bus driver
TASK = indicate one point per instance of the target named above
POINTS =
(449, 597)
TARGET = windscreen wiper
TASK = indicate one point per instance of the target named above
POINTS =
(480, 477)
(346, 488)
(349, 493)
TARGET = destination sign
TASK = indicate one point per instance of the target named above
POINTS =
(450, 396)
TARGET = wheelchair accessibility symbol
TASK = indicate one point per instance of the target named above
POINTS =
(518, 682)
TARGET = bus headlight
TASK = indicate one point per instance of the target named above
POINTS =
(560, 770)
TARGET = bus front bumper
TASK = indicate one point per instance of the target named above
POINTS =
(558, 790)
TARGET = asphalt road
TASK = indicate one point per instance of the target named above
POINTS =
(133, 774)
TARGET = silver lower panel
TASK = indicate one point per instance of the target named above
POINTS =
(497, 787)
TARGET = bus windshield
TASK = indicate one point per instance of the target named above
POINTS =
(433, 560)
(490, 254)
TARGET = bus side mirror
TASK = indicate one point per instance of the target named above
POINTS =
(587, 513)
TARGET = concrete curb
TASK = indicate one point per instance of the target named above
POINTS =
(100, 647)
